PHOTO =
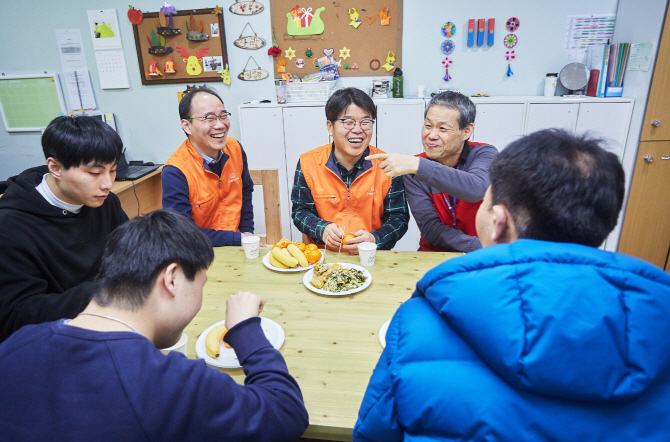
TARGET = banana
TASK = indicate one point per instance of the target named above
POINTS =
(298, 255)
(282, 258)
(213, 339)
(275, 263)
(293, 260)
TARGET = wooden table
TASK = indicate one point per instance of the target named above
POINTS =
(142, 195)
(332, 343)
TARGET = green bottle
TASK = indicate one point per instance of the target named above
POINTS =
(397, 83)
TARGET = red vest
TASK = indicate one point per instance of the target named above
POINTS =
(359, 207)
(466, 213)
(216, 201)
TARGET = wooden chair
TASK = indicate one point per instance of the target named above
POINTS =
(269, 179)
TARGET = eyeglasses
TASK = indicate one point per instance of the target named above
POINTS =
(350, 123)
(212, 119)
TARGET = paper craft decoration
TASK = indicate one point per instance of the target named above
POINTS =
(157, 45)
(373, 66)
(192, 61)
(218, 10)
(295, 13)
(492, 26)
(471, 32)
(354, 66)
(194, 35)
(510, 40)
(290, 53)
(328, 52)
(246, 7)
(480, 31)
(309, 53)
(281, 64)
(512, 24)
(446, 62)
(314, 22)
(384, 15)
(153, 70)
(249, 42)
(510, 55)
(448, 29)
(169, 66)
(166, 28)
(355, 22)
(225, 75)
(390, 60)
(300, 63)
(252, 74)
(369, 19)
(134, 15)
(448, 47)
(346, 66)
(344, 52)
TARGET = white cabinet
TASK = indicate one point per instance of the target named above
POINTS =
(552, 115)
(608, 121)
(498, 124)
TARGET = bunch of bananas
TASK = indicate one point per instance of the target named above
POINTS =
(213, 340)
(289, 257)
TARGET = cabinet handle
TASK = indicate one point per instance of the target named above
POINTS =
(655, 123)
(649, 158)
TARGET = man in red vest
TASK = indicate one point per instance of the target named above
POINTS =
(337, 192)
(445, 185)
(207, 178)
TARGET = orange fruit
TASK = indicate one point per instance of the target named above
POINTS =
(283, 243)
(347, 238)
(312, 256)
(300, 245)
(312, 247)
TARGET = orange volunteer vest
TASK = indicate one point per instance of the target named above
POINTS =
(217, 202)
(359, 207)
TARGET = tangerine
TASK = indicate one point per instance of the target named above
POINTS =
(300, 245)
(312, 256)
(311, 247)
(347, 238)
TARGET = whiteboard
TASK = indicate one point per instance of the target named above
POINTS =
(30, 102)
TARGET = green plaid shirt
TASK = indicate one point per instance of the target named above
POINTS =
(394, 220)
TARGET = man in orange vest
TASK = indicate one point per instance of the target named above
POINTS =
(445, 184)
(337, 192)
(207, 178)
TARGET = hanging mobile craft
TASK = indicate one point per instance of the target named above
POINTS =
(512, 24)
(447, 47)
(384, 15)
(252, 74)
(355, 22)
(448, 29)
(390, 60)
(446, 62)
(510, 55)
(249, 42)
(510, 40)
(246, 8)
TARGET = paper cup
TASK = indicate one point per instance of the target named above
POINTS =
(251, 245)
(366, 253)
(421, 90)
(180, 346)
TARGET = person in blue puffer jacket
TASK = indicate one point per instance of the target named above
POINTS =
(540, 335)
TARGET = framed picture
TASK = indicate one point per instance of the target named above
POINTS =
(181, 46)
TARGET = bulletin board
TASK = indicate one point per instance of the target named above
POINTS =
(367, 42)
(30, 102)
(211, 61)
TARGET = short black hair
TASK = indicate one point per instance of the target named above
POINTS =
(78, 140)
(343, 98)
(137, 252)
(458, 102)
(559, 187)
(185, 103)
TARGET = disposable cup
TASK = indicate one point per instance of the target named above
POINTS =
(251, 245)
(366, 253)
(179, 347)
(421, 90)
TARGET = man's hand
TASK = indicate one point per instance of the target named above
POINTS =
(332, 235)
(241, 306)
(395, 164)
(359, 237)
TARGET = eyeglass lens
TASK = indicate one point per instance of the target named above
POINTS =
(349, 124)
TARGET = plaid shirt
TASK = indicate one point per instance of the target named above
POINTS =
(394, 220)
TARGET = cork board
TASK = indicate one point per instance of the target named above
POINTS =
(213, 60)
(367, 42)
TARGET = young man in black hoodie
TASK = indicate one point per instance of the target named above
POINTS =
(54, 222)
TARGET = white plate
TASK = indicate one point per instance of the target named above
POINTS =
(382, 333)
(227, 358)
(310, 275)
(266, 263)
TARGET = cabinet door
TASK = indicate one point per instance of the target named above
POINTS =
(498, 124)
(399, 131)
(552, 115)
(608, 121)
(266, 152)
(304, 129)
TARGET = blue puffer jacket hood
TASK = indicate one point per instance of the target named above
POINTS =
(560, 320)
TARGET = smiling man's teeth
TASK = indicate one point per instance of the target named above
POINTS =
(217, 135)
(355, 140)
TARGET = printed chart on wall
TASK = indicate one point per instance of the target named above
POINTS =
(30, 102)
(361, 38)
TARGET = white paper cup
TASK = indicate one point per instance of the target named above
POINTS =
(421, 90)
(180, 346)
(366, 253)
(251, 245)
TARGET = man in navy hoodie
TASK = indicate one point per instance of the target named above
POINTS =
(54, 221)
(539, 336)
(100, 377)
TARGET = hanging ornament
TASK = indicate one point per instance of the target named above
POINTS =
(448, 47)
(353, 16)
(253, 74)
(384, 16)
(344, 52)
(510, 55)
(510, 40)
(246, 8)
(300, 63)
(225, 75)
(448, 29)
(346, 66)
(290, 53)
(275, 49)
(512, 24)
(249, 42)
(281, 64)
(390, 61)
(354, 66)
(446, 62)
(309, 53)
